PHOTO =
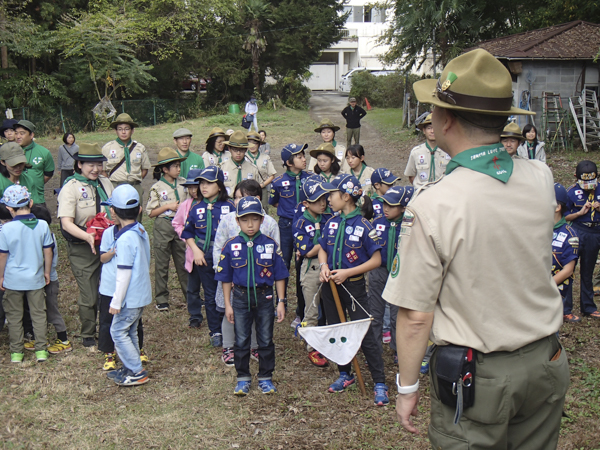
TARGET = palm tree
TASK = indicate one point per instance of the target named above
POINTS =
(258, 12)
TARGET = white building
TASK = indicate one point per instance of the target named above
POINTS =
(358, 47)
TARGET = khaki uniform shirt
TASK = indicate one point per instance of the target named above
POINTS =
(78, 200)
(162, 194)
(230, 172)
(264, 164)
(365, 180)
(489, 287)
(138, 158)
(212, 160)
(340, 153)
(419, 164)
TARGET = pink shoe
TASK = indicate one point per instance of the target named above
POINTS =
(387, 337)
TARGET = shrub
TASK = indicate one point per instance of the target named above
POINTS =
(384, 91)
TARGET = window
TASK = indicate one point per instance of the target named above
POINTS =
(364, 14)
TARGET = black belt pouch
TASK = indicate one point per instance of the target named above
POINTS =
(454, 365)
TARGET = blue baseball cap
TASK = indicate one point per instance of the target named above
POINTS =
(292, 149)
(192, 176)
(399, 195)
(345, 183)
(212, 174)
(383, 176)
(123, 197)
(16, 196)
(561, 193)
(311, 190)
(249, 205)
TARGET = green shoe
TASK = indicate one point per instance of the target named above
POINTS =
(17, 357)
(41, 355)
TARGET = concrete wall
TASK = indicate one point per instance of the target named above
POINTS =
(562, 77)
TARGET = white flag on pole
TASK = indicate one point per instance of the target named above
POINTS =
(339, 342)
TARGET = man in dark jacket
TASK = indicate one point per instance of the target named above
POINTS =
(353, 114)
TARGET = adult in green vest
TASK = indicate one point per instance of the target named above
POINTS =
(182, 137)
(40, 159)
(13, 163)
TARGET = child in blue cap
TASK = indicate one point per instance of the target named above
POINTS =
(25, 262)
(565, 248)
(350, 248)
(307, 231)
(199, 234)
(387, 228)
(583, 210)
(132, 253)
(381, 180)
(253, 263)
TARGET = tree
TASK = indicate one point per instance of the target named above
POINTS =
(456, 25)
(258, 13)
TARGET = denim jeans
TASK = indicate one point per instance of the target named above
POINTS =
(125, 336)
(204, 275)
(105, 342)
(261, 313)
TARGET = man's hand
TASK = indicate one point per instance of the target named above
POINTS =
(406, 406)
(91, 240)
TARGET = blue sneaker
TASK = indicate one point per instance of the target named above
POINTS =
(342, 382)
(128, 378)
(381, 394)
(115, 373)
(242, 388)
(267, 387)
(425, 367)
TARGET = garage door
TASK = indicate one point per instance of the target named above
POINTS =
(323, 78)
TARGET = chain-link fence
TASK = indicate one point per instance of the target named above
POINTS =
(75, 118)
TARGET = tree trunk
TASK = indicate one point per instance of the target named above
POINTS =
(3, 49)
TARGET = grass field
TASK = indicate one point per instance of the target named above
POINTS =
(188, 403)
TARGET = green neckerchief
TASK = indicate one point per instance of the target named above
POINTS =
(252, 158)
(239, 167)
(530, 150)
(308, 216)
(220, 154)
(251, 277)
(363, 167)
(95, 184)
(560, 223)
(492, 160)
(339, 238)
(172, 186)
(209, 213)
(31, 223)
(432, 163)
(298, 183)
(392, 237)
(327, 178)
(126, 153)
(334, 143)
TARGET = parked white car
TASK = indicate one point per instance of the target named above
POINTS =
(346, 81)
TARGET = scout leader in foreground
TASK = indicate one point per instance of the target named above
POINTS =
(483, 293)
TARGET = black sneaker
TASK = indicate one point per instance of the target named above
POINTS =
(195, 323)
(216, 340)
(162, 306)
(89, 342)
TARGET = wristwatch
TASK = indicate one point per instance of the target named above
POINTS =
(282, 300)
(406, 389)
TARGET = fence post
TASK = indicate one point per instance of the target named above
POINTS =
(23, 113)
(62, 119)
(154, 108)
(123, 106)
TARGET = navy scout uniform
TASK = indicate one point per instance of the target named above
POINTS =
(565, 247)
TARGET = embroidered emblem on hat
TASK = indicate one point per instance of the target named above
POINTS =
(248, 203)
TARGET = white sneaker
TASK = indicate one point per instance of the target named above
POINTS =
(295, 322)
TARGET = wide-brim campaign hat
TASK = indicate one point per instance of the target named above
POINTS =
(13, 154)
(168, 155)
(89, 153)
(425, 122)
(7, 124)
(216, 132)
(237, 140)
(124, 119)
(512, 130)
(253, 136)
(474, 82)
(327, 148)
(326, 123)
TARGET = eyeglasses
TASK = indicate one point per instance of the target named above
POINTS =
(237, 150)
(123, 129)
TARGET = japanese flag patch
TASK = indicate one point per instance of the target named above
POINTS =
(380, 227)
(309, 228)
(285, 183)
(236, 247)
(333, 225)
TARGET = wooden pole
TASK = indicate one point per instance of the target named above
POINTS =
(340, 310)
